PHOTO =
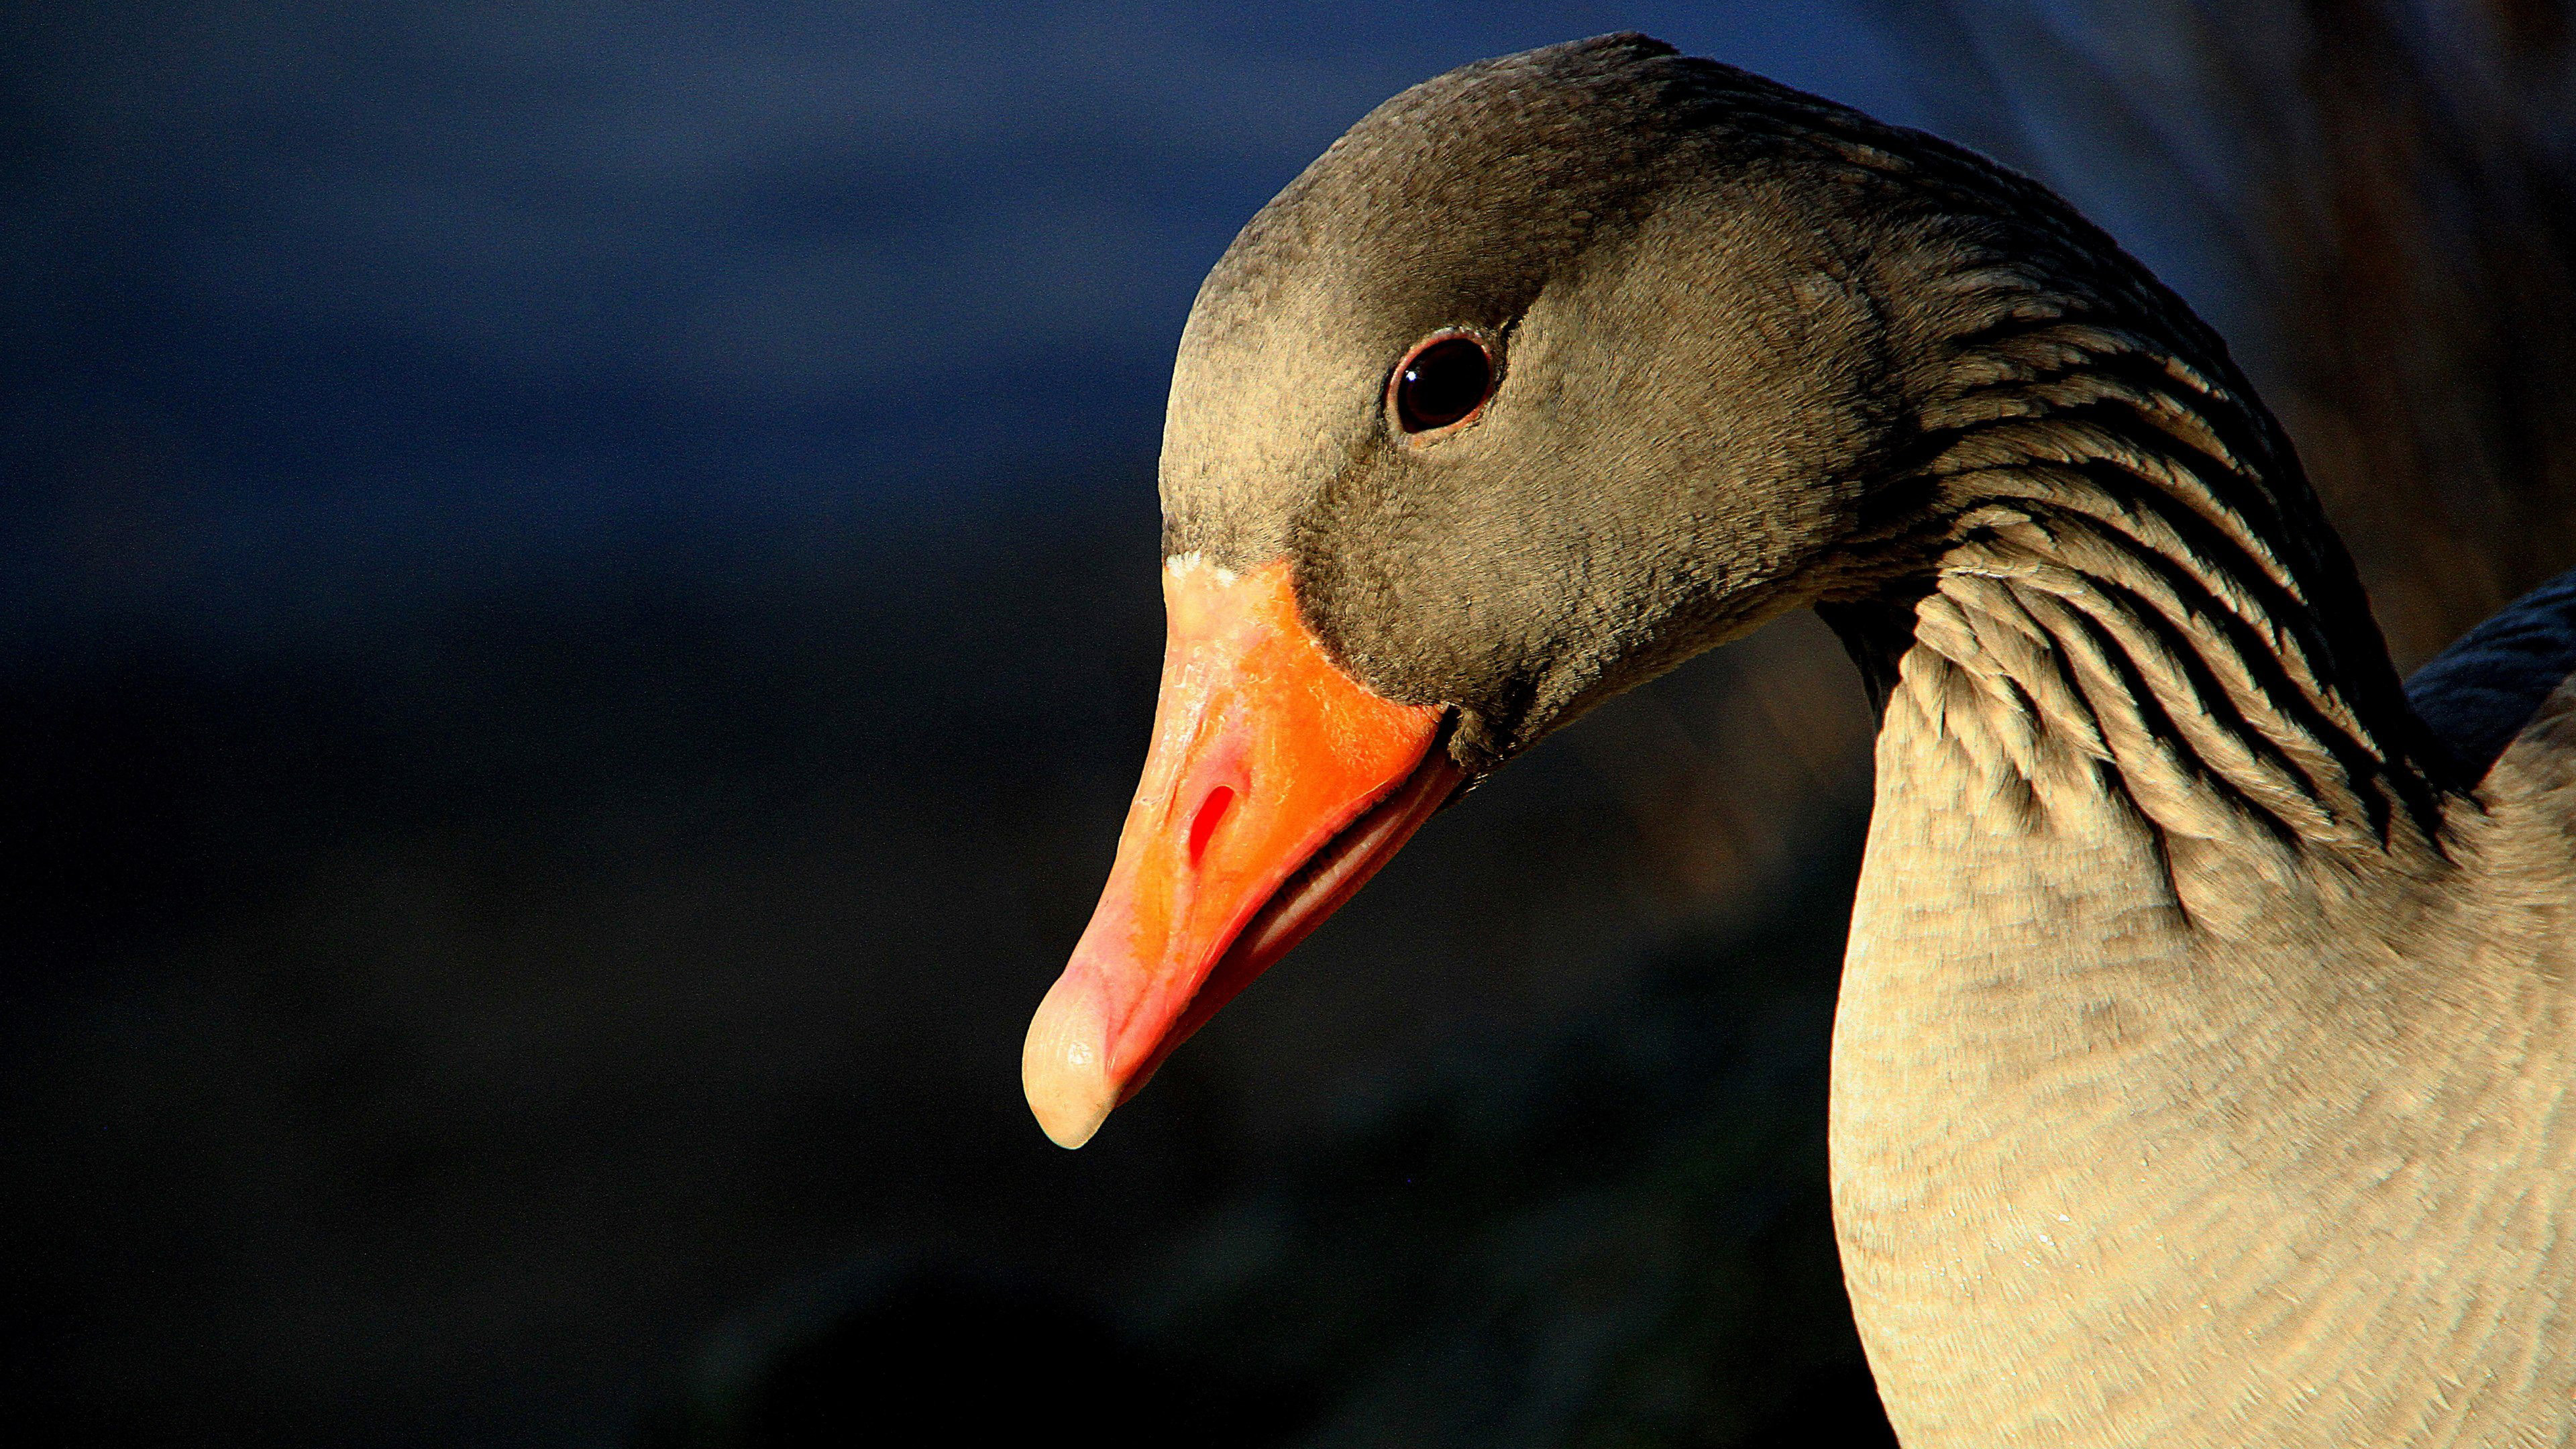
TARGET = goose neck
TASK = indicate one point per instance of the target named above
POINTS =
(2123, 586)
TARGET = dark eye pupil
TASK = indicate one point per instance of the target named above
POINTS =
(1443, 383)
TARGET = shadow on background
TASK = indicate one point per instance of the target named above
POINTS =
(439, 1028)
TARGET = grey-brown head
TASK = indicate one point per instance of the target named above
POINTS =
(1713, 310)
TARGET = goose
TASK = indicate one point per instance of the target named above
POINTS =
(2201, 1067)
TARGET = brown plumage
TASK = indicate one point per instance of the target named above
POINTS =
(2202, 1068)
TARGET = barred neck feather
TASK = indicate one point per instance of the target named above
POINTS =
(2120, 566)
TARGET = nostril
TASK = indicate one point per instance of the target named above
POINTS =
(1211, 814)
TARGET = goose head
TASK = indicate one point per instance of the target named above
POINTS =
(1552, 372)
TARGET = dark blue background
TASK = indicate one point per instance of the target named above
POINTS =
(313, 309)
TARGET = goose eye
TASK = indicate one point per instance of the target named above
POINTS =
(1442, 382)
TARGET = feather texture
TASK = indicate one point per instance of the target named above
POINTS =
(2484, 689)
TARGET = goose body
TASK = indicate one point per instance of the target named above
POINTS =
(2202, 1069)
(2157, 1123)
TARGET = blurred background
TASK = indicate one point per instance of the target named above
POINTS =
(578, 612)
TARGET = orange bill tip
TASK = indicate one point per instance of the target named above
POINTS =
(1275, 786)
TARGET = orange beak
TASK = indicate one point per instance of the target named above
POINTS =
(1275, 787)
